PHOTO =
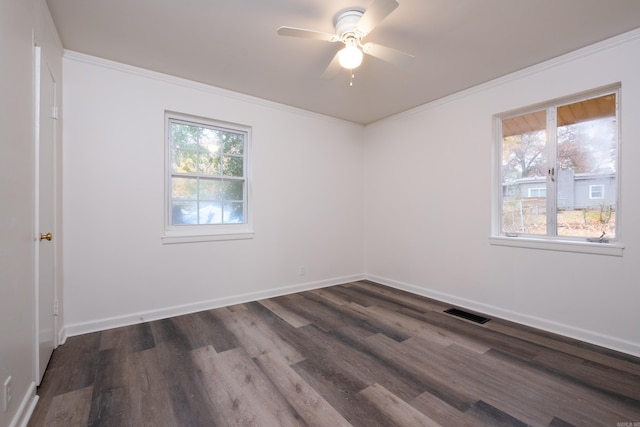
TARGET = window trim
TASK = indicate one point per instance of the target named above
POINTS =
(173, 234)
(560, 245)
(553, 243)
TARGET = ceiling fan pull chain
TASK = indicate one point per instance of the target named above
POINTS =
(353, 75)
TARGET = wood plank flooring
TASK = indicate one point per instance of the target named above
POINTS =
(358, 354)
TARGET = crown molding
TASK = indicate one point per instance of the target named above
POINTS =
(202, 87)
(586, 51)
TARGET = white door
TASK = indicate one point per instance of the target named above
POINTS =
(45, 123)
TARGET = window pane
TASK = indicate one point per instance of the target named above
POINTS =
(524, 174)
(210, 213)
(233, 190)
(587, 169)
(210, 189)
(234, 143)
(184, 136)
(183, 161)
(184, 188)
(232, 166)
(184, 213)
(210, 137)
(208, 164)
(210, 142)
(234, 212)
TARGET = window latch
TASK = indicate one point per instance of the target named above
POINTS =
(552, 174)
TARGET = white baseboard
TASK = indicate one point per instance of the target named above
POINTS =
(27, 405)
(163, 313)
(591, 337)
(535, 322)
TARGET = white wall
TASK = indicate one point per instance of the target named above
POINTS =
(428, 178)
(22, 23)
(421, 228)
(306, 200)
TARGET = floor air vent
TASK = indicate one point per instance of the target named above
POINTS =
(467, 315)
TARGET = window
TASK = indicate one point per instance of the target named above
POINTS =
(596, 191)
(538, 192)
(207, 184)
(570, 147)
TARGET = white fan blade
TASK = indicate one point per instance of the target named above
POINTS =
(388, 54)
(307, 34)
(378, 10)
(332, 69)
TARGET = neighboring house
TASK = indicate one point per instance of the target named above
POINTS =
(575, 191)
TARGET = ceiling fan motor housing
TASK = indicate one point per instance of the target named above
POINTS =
(352, 26)
(346, 24)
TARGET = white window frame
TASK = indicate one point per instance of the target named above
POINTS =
(600, 187)
(206, 232)
(554, 243)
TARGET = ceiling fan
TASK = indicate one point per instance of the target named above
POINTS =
(352, 26)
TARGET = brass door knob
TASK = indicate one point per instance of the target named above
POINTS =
(47, 236)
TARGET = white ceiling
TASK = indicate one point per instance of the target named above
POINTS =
(233, 44)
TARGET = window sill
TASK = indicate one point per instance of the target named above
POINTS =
(611, 249)
(173, 237)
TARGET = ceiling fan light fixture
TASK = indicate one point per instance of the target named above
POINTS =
(352, 26)
(351, 56)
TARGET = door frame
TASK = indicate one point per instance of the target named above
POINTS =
(38, 62)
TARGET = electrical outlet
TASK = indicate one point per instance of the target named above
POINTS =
(6, 393)
(302, 270)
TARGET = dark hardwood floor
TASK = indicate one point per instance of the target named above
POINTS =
(358, 354)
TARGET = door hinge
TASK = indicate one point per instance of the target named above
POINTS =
(55, 308)
(54, 112)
